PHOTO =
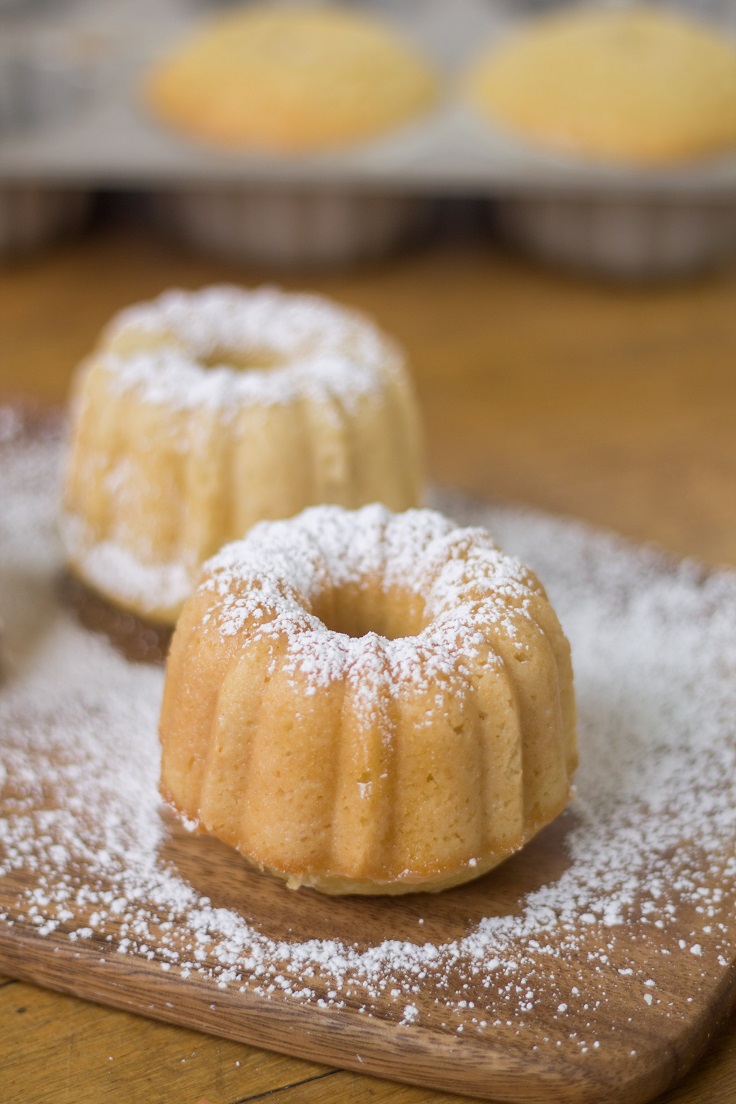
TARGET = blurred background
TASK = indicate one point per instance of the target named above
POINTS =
(94, 117)
(569, 318)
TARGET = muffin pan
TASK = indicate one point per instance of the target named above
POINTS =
(110, 138)
(37, 95)
(327, 225)
(622, 237)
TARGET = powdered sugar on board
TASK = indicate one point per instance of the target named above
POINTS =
(629, 896)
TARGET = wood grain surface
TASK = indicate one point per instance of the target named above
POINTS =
(617, 406)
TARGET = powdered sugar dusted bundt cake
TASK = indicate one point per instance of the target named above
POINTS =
(368, 702)
(203, 412)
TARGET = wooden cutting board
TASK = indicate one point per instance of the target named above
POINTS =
(593, 966)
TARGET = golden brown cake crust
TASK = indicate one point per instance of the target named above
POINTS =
(290, 78)
(368, 702)
(632, 84)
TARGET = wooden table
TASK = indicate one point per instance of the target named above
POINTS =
(615, 405)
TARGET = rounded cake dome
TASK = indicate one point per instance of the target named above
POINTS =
(368, 702)
(203, 412)
(290, 78)
(632, 83)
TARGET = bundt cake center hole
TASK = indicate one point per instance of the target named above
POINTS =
(357, 610)
(242, 360)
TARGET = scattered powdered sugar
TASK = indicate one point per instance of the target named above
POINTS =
(179, 350)
(640, 890)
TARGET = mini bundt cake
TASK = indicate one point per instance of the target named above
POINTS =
(203, 412)
(368, 702)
